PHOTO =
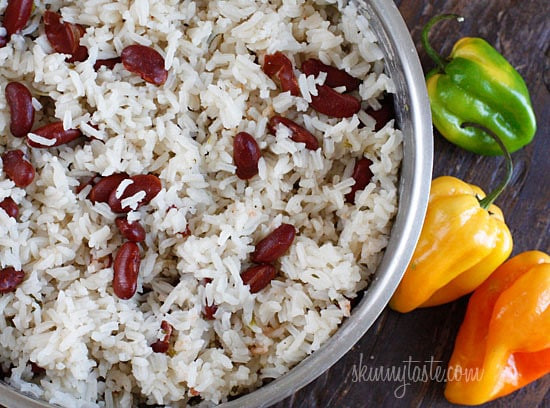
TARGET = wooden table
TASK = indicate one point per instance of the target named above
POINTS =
(520, 30)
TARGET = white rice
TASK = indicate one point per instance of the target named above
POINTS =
(122, 187)
(44, 141)
(64, 317)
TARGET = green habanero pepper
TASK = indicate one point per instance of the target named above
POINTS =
(476, 84)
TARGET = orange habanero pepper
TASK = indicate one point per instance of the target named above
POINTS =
(505, 335)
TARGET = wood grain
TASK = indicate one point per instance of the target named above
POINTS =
(520, 30)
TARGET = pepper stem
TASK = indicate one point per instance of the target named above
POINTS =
(433, 54)
(490, 198)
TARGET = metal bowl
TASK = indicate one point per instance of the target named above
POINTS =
(414, 119)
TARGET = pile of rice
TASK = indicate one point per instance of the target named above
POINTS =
(64, 317)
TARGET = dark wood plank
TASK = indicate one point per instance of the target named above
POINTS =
(519, 30)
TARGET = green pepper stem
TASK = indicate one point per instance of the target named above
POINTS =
(433, 54)
(486, 202)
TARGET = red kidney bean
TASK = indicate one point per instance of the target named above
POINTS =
(160, 346)
(209, 311)
(146, 62)
(101, 191)
(148, 183)
(10, 279)
(81, 54)
(17, 15)
(126, 269)
(19, 170)
(63, 37)
(331, 103)
(56, 132)
(362, 176)
(258, 277)
(81, 29)
(109, 63)
(36, 369)
(163, 345)
(246, 154)
(274, 245)
(278, 65)
(335, 77)
(19, 100)
(384, 114)
(299, 134)
(132, 231)
(9, 206)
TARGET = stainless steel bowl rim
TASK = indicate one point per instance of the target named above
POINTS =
(415, 121)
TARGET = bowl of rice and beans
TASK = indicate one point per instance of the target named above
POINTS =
(201, 202)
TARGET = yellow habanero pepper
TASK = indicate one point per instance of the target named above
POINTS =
(464, 238)
(504, 341)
